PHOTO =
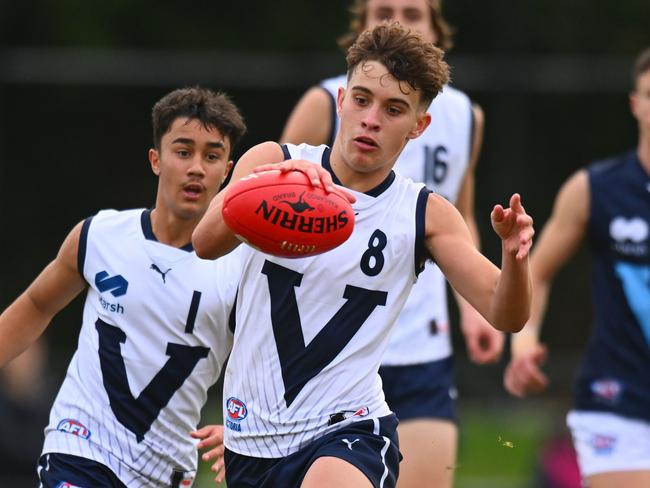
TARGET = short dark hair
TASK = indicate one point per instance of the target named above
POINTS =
(406, 56)
(212, 109)
(359, 18)
(641, 65)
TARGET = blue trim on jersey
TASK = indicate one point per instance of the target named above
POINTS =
(333, 116)
(472, 129)
(83, 244)
(147, 230)
(374, 192)
(420, 224)
(285, 151)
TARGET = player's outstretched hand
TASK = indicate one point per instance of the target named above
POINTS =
(484, 343)
(524, 375)
(211, 436)
(514, 226)
(318, 175)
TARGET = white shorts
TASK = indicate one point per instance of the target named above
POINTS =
(606, 442)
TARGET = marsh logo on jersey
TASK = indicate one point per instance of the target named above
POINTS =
(603, 444)
(630, 235)
(237, 411)
(65, 484)
(74, 427)
(607, 391)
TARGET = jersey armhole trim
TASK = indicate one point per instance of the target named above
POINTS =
(420, 222)
(83, 244)
(285, 151)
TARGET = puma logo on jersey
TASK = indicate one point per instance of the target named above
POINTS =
(300, 206)
(349, 443)
(159, 271)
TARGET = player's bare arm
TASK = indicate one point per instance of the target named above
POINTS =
(502, 297)
(559, 240)
(29, 315)
(310, 121)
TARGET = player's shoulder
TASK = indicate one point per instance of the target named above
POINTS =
(604, 167)
(110, 220)
(334, 83)
(452, 96)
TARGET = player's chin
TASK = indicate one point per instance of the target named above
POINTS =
(191, 209)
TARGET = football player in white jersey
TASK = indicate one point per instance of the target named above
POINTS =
(417, 369)
(154, 333)
(303, 401)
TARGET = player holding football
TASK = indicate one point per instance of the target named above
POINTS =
(417, 369)
(154, 334)
(609, 203)
(302, 396)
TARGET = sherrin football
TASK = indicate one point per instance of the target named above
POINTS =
(284, 215)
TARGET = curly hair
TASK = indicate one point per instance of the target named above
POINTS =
(406, 56)
(359, 19)
(212, 109)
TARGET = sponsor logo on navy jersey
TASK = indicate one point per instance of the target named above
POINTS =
(237, 411)
(630, 236)
(607, 390)
(73, 427)
(603, 444)
(65, 484)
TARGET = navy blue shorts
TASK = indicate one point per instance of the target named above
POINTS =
(421, 390)
(57, 470)
(370, 445)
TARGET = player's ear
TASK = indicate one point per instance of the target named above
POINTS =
(154, 159)
(229, 165)
(422, 122)
(339, 100)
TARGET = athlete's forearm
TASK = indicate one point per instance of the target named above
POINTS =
(510, 308)
(20, 325)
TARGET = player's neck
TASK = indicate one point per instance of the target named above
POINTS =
(643, 151)
(356, 180)
(171, 230)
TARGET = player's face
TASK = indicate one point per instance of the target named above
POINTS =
(414, 14)
(640, 102)
(378, 116)
(191, 164)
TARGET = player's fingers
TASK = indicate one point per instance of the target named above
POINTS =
(497, 214)
(215, 453)
(202, 432)
(515, 203)
(349, 196)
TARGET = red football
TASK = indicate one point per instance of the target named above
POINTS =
(284, 215)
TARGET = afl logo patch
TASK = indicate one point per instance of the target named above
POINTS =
(73, 427)
(237, 410)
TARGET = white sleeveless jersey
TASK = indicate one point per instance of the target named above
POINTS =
(310, 332)
(439, 158)
(154, 337)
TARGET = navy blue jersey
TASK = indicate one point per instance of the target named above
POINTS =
(615, 374)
